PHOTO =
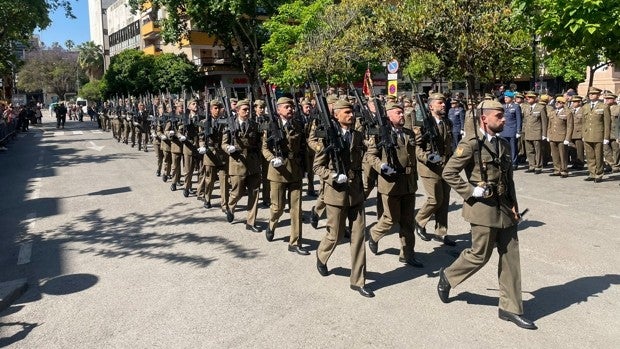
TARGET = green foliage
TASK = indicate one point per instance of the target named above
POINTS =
(53, 70)
(90, 59)
(173, 73)
(92, 91)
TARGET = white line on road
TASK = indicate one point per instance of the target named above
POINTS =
(95, 146)
(25, 251)
(96, 131)
(78, 132)
(543, 200)
(59, 133)
(614, 216)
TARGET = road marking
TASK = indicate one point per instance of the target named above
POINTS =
(96, 131)
(543, 200)
(614, 216)
(25, 252)
(59, 133)
(78, 132)
(95, 146)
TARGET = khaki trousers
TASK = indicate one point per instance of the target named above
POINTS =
(534, 154)
(167, 163)
(559, 154)
(594, 157)
(319, 206)
(176, 167)
(250, 184)
(437, 202)
(612, 153)
(159, 154)
(579, 149)
(336, 216)
(278, 202)
(208, 183)
(398, 209)
(483, 240)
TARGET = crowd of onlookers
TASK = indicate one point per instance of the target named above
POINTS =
(17, 118)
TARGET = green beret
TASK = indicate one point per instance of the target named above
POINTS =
(492, 105)
(342, 104)
(215, 102)
(392, 105)
(332, 99)
(259, 103)
(435, 96)
(243, 102)
(593, 89)
(284, 100)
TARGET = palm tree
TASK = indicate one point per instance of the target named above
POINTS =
(90, 59)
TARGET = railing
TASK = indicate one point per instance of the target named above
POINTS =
(7, 130)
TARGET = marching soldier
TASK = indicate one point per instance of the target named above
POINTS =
(285, 172)
(596, 133)
(578, 149)
(559, 134)
(611, 150)
(262, 119)
(243, 147)
(176, 144)
(535, 129)
(306, 109)
(344, 198)
(140, 127)
(127, 120)
(397, 187)
(189, 137)
(165, 133)
(156, 133)
(105, 116)
(117, 121)
(432, 155)
(491, 208)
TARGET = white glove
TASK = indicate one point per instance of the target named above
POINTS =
(387, 169)
(182, 138)
(463, 133)
(231, 149)
(605, 141)
(276, 162)
(171, 133)
(153, 134)
(434, 158)
(518, 135)
(340, 178)
(202, 150)
(566, 142)
(478, 192)
(163, 137)
(544, 138)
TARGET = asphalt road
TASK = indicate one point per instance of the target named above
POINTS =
(114, 259)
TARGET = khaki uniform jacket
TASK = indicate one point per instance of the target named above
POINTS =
(424, 149)
(350, 193)
(176, 147)
(215, 156)
(577, 123)
(246, 160)
(495, 211)
(534, 121)
(163, 130)
(596, 122)
(400, 183)
(292, 148)
(560, 127)
(614, 111)
(191, 134)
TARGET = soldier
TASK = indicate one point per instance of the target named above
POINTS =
(456, 115)
(306, 109)
(127, 120)
(512, 128)
(140, 127)
(165, 134)
(547, 103)
(189, 137)
(535, 129)
(577, 150)
(611, 150)
(105, 116)
(285, 172)
(157, 130)
(432, 154)
(117, 121)
(596, 133)
(344, 198)
(243, 145)
(490, 206)
(397, 185)
(559, 134)
(263, 120)
(521, 155)
(176, 144)
(61, 115)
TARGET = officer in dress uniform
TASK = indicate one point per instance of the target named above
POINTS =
(456, 115)
(596, 133)
(188, 134)
(490, 206)
(559, 134)
(577, 151)
(512, 129)
(534, 129)
(176, 143)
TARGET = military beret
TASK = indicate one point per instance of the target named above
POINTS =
(306, 101)
(576, 98)
(560, 99)
(392, 105)
(259, 103)
(610, 95)
(531, 94)
(233, 100)
(243, 102)
(509, 94)
(284, 100)
(492, 105)
(342, 104)
(331, 99)
(545, 98)
(215, 102)
(593, 89)
(435, 96)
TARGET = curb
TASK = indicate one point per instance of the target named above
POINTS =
(10, 291)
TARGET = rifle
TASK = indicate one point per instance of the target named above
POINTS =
(275, 136)
(232, 124)
(334, 144)
(430, 134)
(387, 139)
(368, 120)
(208, 128)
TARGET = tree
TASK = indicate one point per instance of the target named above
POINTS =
(90, 59)
(53, 70)
(173, 73)
(69, 44)
(129, 73)
(92, 91)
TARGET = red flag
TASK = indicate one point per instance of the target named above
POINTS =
(366, 88)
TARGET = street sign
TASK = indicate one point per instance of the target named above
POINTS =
(392, 87)
(392, 76)
(392, 66)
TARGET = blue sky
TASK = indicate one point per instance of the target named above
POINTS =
(63, 28)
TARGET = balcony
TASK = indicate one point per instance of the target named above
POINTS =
(150, 30)
(152, 50)
(198, 38)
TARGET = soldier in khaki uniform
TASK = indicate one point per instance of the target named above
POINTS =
(432, 154)
(344, 198)
(188, 135)
(165, 142)
(176, 143)
(127, 121)
(285, 172)
(534, 129)
(559, 134)
(306, 109)
(612, 150)
(578, 149)
(490, 206)
(243, 146)
(262, 119)
(397, 185)
(596, 133)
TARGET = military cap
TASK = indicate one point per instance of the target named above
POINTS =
(593, 89)
(259, 103)
(233, 100)
(488, 96)
(545, 98)
(351, 98)
(519, 95)
(193, 100)
(284, 100)
(509, 94)
(390, 97)
(392, 105)
(306, 101)
(610, 95)
(531, 94)
(215, 102)
(492, 105)
(407, 100)
(342, 104)
(576, 98)
(435, 96)
(332, 99)
(560, 100)
(243, 102)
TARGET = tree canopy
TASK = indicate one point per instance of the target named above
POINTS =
(53, 70)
